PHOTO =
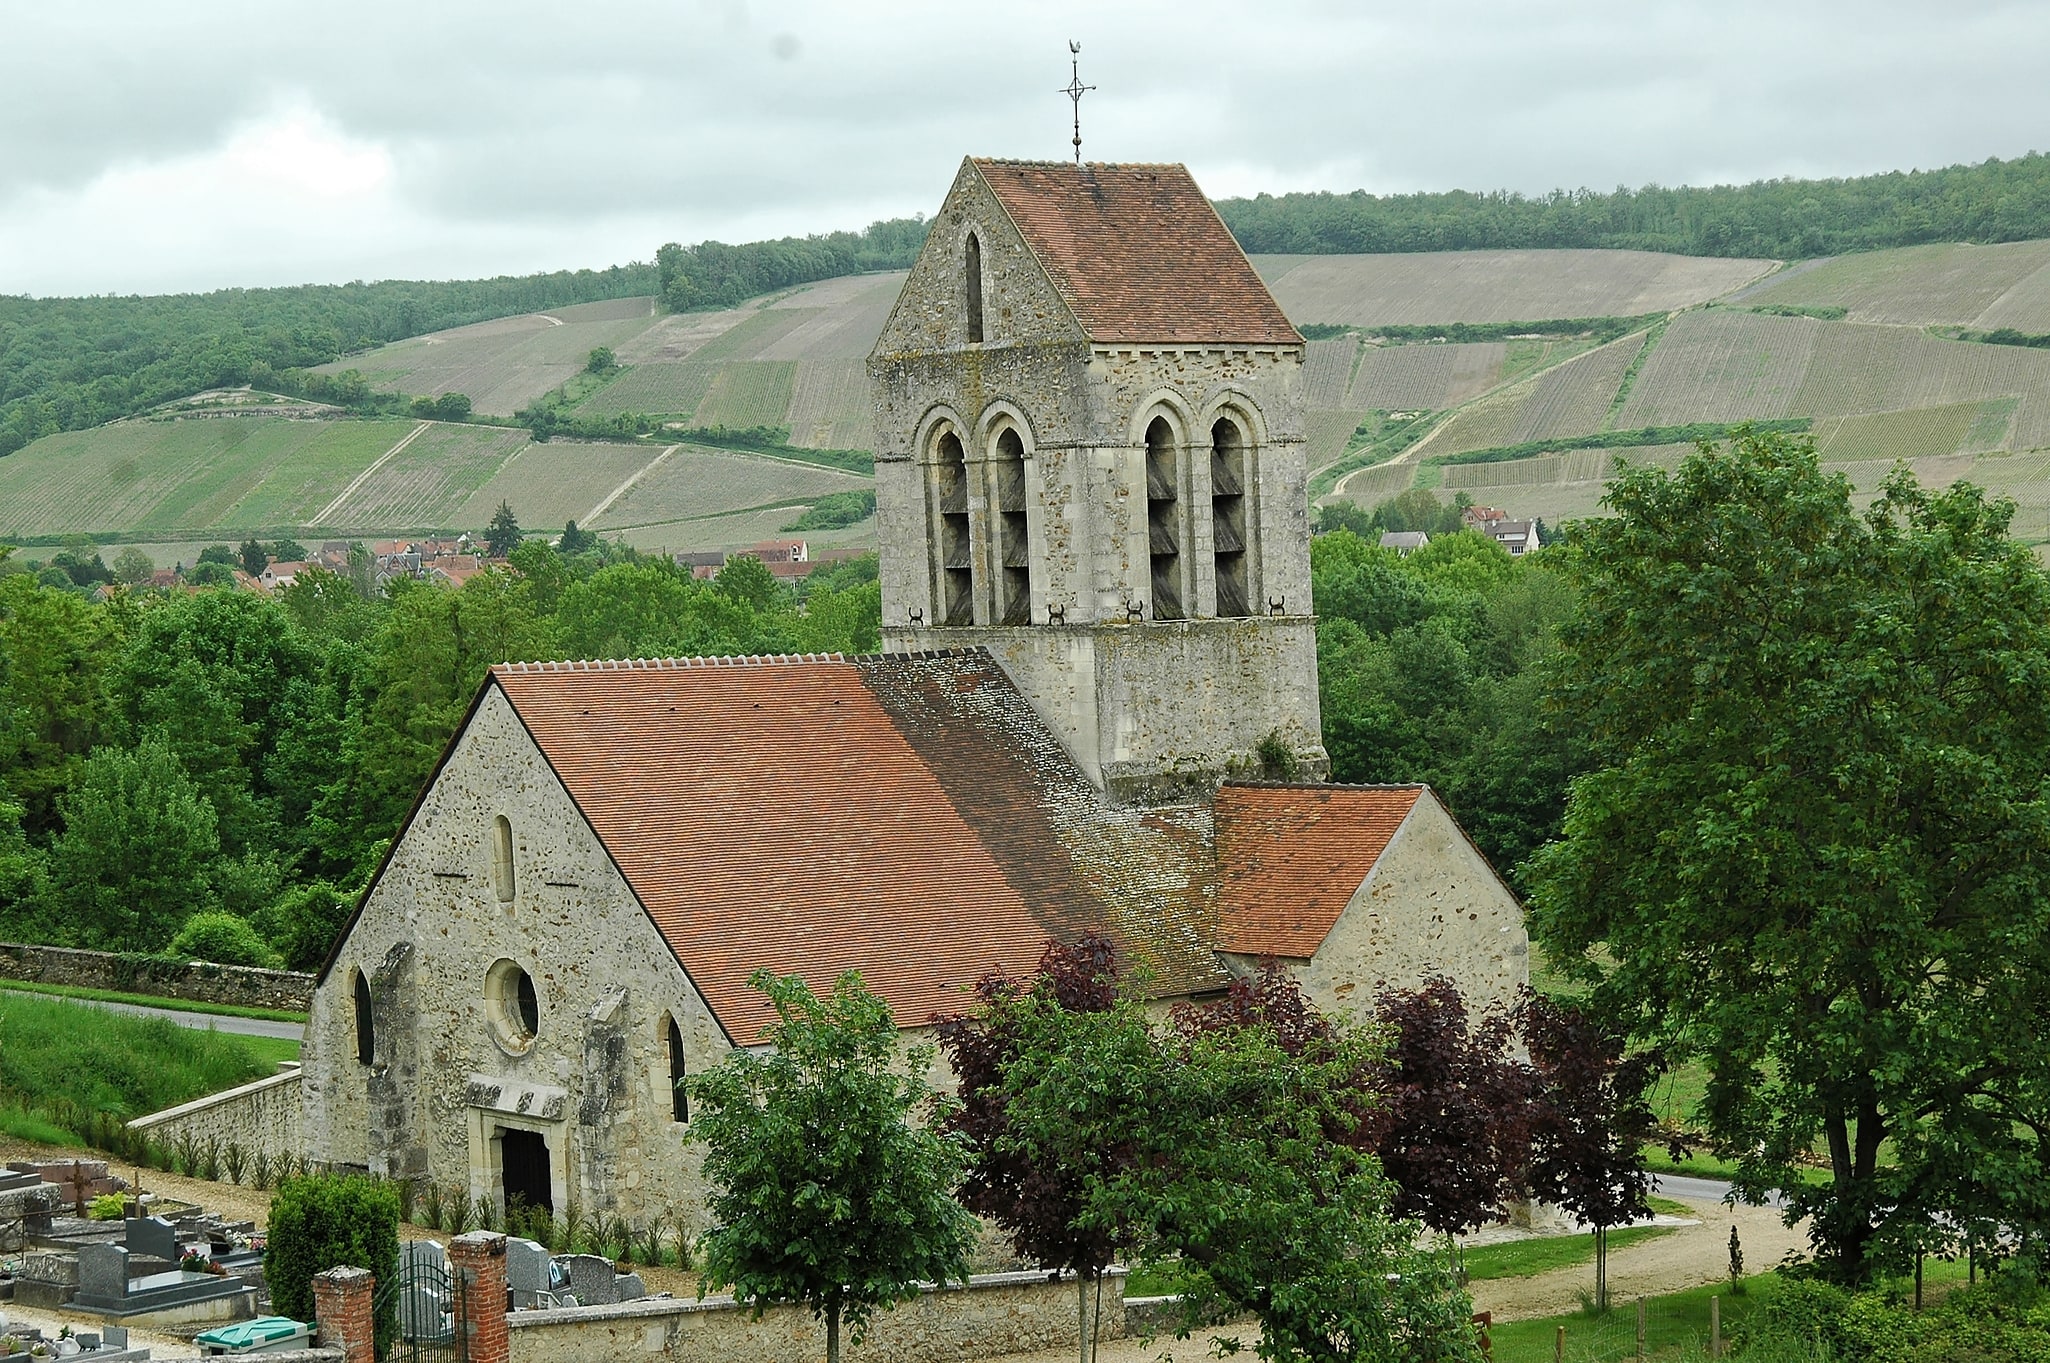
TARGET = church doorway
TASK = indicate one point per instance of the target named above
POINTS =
(523, 1169)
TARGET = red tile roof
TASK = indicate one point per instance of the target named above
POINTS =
(906, 816)
(1137, 253)
(1290, 858)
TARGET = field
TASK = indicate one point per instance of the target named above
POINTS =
(1983, 287)
(1409, 377)
(1720, 365)
(696, 484)
(1495, 286)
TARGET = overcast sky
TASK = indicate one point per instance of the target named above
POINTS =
(151, 147)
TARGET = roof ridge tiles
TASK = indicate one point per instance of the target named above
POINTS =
(1020, 161)
(699, 660)
(1256, 784)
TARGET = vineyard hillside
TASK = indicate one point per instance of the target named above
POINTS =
(1981, 287)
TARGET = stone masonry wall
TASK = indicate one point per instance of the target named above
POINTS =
(443, 1082)
(199, 981)
(1432, 906)
(265, 1115)
(1000, 1314)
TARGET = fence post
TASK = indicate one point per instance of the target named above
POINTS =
(343, 1305)
(1559, 1346)
(477, 1269)
(1715, 1327)
(1640, 1327)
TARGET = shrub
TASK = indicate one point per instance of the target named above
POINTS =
(322, 1221)
(223, 939)
(110, 1207)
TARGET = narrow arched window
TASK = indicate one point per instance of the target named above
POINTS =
(1228, 516)
(972, 266)
(1013, 545)
(950, 508)
(502, 859)
(1163, 520)
(679, 1095)
(366, 1022)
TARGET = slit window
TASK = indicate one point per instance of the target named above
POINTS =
(366, 1022)
(1013, 543)
(972, 266)
(679, 1096)
(502, 859)
(1163, 520)
(1228, 516)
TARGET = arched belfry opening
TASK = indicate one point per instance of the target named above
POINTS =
(1014, 606)
(972, 266)
(950, 519)
(1228, 516)
(1163, 520)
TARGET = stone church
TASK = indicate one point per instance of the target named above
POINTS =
(1096, 711)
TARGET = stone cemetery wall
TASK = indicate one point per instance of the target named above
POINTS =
(265, 1116)
(1000, 1313)
(199, 981)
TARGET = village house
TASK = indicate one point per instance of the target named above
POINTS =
(1096, 711)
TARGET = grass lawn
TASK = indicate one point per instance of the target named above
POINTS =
(59, 1058)
(225, 1010)
(1676, 1327)
(1528, 1258)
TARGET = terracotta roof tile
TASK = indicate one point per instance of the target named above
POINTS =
(1137, 253)
(906, 816)
(1290, 857)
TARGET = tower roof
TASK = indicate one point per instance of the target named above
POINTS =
(1137, 253)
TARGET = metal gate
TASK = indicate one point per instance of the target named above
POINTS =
(421, 1299)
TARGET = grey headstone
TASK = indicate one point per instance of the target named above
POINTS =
(102, 1272)
(115, 1335)
(526, 1269)
(418, 1254)
(593, 1280)
(629, 1287)
(421, 1311)
(154, 1236)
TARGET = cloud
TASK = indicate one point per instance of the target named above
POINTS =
(224, 142)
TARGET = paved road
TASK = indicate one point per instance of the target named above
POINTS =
(287, 1031)
(1699, 1189)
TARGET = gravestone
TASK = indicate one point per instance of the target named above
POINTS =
(116, 1336)
(423, 1311)
(629, 1287)
(422, 1254)
(102, 1273)
(592, 1280)
(154, 1236)
(526, 1272)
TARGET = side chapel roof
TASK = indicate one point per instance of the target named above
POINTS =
(906, 816)
(1291, 856)
(1137, 253)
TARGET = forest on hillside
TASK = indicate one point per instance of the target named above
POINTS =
(74, 363)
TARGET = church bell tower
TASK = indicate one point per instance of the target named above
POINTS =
(1090, 463)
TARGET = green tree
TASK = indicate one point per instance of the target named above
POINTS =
(1815, 849)
(575, 541)
(254, 558)
(502, 536)
(133, 567)
(220, 553)
(210, 573)
(138, 841)
(601, 360)
(828, 1192)
(747, 578)
(222, 938)
(452, 407)
(1233, 1157)
(54, 653)
(289, 551)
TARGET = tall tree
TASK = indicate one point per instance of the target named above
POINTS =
(503, 535)
(1038, 1196)
(828, 1193)
(254, 558)
(1815, 850)
(138, 842)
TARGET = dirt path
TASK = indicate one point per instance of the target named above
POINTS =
(1689, 1257)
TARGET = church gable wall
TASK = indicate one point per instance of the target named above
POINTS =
(1431, 906)
(593, 1081)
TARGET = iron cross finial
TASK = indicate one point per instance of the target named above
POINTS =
(1076, 89)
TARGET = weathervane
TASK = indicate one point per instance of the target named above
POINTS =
(1076, 89)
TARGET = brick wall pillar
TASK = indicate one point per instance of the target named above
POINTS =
(343, 1305)
(477, 1263)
